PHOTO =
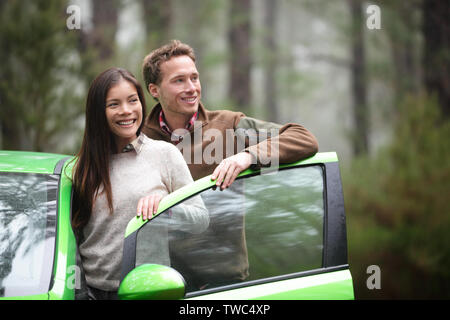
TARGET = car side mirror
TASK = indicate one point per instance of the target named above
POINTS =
(152, 282)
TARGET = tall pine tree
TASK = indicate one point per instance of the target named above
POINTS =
(39, 76)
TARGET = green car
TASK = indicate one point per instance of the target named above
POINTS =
(278, 233)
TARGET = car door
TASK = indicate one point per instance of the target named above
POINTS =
(272, 235)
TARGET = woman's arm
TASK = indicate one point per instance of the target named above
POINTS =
(191, 215)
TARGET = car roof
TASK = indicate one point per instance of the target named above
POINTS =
(33, 162)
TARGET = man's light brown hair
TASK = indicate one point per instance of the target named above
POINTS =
(151, 68)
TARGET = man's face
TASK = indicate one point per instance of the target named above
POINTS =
(179, 91)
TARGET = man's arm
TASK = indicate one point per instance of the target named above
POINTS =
(266, 144)
(274, 142)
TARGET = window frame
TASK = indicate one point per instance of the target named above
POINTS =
(334, 225)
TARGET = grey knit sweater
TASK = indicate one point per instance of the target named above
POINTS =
(156, 167)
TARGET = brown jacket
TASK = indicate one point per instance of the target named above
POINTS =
(214, 136)
(294, 142)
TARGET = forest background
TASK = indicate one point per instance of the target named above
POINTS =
(369, 78)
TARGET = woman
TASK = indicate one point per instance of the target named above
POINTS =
(119, 172)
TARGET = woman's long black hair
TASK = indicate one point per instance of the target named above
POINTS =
(91, 168)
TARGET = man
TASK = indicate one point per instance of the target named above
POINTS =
(238, 141)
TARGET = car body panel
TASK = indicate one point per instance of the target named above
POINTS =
(328, 285)
(64, 271)
(33, 162)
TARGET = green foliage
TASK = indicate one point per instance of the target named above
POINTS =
(397, 208)
(39, 76)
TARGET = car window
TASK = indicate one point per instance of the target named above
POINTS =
(27, 232)
(263, 226)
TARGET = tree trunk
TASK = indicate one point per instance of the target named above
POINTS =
(270, 88)
(158, 19)
(403, 30)
(359, 88)
(436, 30)
(10, 135)
(239, 44)
(105, 20)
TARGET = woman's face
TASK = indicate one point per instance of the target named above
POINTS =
(123, 112)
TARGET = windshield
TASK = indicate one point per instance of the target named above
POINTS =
(27, 232)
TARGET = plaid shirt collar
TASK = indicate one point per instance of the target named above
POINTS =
(136, 144)
(174, 137)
